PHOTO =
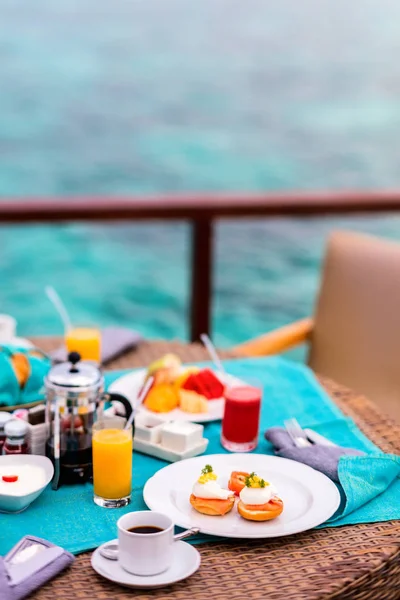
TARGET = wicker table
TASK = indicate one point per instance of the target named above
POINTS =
(353, 562)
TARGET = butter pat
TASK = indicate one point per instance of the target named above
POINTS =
(181, 435)
(148, 428)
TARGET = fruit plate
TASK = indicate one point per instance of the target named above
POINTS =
(130, 385)
(309, 497)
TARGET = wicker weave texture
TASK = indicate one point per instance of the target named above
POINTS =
(360, 562)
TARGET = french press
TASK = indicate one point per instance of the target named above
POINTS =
(75, 400)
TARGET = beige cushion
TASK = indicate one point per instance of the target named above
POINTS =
(356, 339)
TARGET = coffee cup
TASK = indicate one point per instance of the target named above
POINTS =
(145, 540)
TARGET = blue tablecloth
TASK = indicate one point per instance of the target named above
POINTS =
(70, 519)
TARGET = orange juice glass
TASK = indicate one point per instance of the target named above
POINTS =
(112, 467)
(86, 341)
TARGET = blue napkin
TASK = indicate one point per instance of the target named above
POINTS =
(70, 519)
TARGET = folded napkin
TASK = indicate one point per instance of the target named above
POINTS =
(321, 458)
(360, 477)
(114, 342)
(22, 371)
(29, 565)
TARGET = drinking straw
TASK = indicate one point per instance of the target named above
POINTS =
(59, 306)
(143, 393)
(212, 351)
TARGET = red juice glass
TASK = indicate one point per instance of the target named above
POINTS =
(241, 418)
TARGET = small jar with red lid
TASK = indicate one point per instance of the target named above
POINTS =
(241, 419)
(16, 442)
(4, 418)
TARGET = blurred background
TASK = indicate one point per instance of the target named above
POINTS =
(146, 96)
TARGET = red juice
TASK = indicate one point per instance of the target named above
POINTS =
(241, 418)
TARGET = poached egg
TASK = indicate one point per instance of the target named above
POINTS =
(211, 490)
(258, 495)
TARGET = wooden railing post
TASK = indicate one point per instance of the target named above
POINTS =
(201, 277)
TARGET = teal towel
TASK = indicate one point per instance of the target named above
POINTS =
(12, 358)
(70, 519)
(370, 489)
(359, 477)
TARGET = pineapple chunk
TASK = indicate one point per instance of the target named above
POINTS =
(192, 402)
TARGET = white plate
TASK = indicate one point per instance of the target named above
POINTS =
(309, 497)
(186, 561)
(130, 385)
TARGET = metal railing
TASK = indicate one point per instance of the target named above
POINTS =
(201, 211)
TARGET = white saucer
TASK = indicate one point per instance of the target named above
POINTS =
(185, 562)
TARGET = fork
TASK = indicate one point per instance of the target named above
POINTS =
(297, 434)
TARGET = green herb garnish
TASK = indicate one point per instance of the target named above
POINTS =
(249, 479)
(207, 469)
(253, 480)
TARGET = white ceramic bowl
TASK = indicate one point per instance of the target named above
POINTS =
(19, 502)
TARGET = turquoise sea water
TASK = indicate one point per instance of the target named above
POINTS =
(146, 96)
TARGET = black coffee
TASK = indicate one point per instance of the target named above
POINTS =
(145, 529)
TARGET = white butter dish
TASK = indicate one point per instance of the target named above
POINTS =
(180, 436)
(166, 454)
(148, 428)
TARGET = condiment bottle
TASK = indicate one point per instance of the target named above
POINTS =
(16, 437)
(4, 418)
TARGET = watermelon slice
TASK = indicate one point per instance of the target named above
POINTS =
(201, 386)
(205, 383)
(215, 387)
(191, 384)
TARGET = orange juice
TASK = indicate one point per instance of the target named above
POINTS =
(86, 341)
(112, 463)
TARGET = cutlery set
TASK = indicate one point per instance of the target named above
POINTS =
(303, 438)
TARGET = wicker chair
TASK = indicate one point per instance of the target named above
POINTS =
(354, 337)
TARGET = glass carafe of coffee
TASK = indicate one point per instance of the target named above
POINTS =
(75, 398)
